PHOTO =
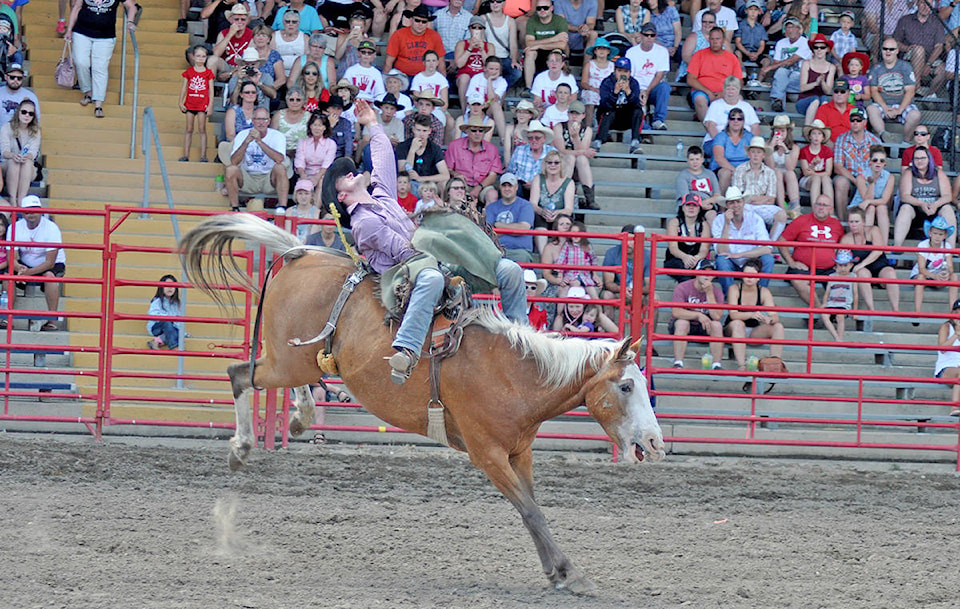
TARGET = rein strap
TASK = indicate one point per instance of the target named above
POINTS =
(349, 285)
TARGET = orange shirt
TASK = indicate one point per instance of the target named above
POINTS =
(408, 49)
(711, 68)
(517, 8)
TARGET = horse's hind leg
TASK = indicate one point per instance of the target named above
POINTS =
(242, 442)
(301, 420)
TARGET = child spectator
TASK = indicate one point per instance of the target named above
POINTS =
(474, 115)
(341, 129)
(839, 294)
(536, 314)
(517, 132)
(365, 76)
(855, 65)
(165, 303)
(429, 197)
(557, 113)
(597, 68)
(844, 41)
(304, 209)
(572, 137)
(578, 317)
(816, 162)
(434, 83)
(578, 251)
(874, 194)
(196, 97)
(544, 88)
(493, 87)
(933, 266)
(407, 200)
(751, 37)
(948, 362)
(783, 157)
(695, 178)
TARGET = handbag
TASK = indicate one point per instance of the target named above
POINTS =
(772, 364)
(64, 73)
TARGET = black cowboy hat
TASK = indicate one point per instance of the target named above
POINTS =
(328, 190)
(420, 12)
(388, 99)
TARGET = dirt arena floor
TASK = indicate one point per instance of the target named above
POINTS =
(85, 525)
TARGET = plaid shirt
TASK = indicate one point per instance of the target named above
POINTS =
(854, 155)
(436, 128)
(751, 183)
(843, 43)
(523, 165)
(452, 29)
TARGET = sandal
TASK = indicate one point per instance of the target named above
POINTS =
(343, 397)
(49, 327)
(86, 99)
(955, 412)
(203, 159)
(184, 159)
(152, 345)
(98, 112)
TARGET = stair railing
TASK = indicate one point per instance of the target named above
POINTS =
(136, 80)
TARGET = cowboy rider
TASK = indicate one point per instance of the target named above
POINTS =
(383, 233)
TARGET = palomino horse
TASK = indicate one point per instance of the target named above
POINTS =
(503, 383)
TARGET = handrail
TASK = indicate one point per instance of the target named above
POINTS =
(136, 81)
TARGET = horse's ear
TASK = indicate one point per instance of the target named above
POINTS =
(624, 353)
(635, 347)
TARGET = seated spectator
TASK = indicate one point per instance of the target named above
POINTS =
(347, 93)
(239, 115)
(630, 18)
(844, 40)
(893, 85)
(612, 282)
(921, 37)
(650, 63)
(758, 183)
(289, 41)
(526, 158)
(816, 161)
(783, 157)
(341, 129)
(397, 82)
(696, 41)
(504, 32)
(752, 323)
(740, 221)
(431, 83)
(304, 209)
(165, 303)
(536, 314)
(715, 120)
(855, 65)
(948, 362)
(426, 102)
(725, 17)
(730, 148)
(327, 236)
(248, 70)
(315, 153)
(943, 73)
(664, 16)
(392, 126)
(934, 266)
(708, 70)
(874, 194)
(817, 76)
(787, 55)
(573, 138)
(548, 255)
(35, 227)
(452, 23)
(544, 88)
(323, 65)
(557, 113)
(421, 158)
(14, 92)
(406, 199)
(475, 160)
(365, 76)
(517, 132)
(429, 197)
(581, 16)
(689, 320)
(316, 95)
(347, 51)
(545, 32)
(851, 158)
(407, 45)
(620, 106)
(840, 294)
(835, 115)
(870, 263)
(511, 211)
(921, 137)
(690, 221)
(269, 63)
(474, 114)
(256, 163)
(552, 195)
(577, 251)
(292, 120)
(593, 73)
(578, 317)
(304, 17)
(751, 40)
(925, 194)
(19, 147)
(470, 55)
(340, 13)
(816, 227)
(493, 88)
(231, 43)
(695, 178)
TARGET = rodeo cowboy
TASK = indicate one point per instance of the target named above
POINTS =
(385, 236)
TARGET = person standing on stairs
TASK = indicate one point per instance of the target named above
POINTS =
(93, 30)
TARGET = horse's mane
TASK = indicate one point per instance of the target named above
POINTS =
(560, 360)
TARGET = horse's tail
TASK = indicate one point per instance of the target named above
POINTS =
(214, 237)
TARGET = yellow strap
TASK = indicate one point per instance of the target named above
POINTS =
(343, 239)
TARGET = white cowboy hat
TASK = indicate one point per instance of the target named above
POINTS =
(530, 278)
(536, 125)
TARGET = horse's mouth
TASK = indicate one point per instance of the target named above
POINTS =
(637, 452)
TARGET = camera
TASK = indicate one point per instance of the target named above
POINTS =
(623, 78)
(250, 70)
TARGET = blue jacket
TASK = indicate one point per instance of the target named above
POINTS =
(608, 99)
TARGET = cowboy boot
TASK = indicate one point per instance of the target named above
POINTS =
(402, 363)
(589, 197)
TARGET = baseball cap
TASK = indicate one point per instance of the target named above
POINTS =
(476, 98)
(31, 201)
(509, 178)
(577, 106)
(692, 197)
(792, 21)
(705, 265)
(841, 86)
(857, 112)
(622, 62)
(648, 27)
(303, 184)
(755, 3)
(576, 292)
(16, 67)
(367, 45)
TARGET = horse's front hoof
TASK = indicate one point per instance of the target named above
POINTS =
(297, 427)
(573, 581)
(238, 455)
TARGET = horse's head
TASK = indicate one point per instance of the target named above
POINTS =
(617, 398)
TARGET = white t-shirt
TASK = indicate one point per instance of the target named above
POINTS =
(255, 160)
(46, 232)
(478, 84)
(644, 65)
(786, 49)
(552, 116)
(434, 84)
(546, 89)
(726, 18)
(368, 80)
(718, 111)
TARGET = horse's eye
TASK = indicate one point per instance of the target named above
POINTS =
(626, 387)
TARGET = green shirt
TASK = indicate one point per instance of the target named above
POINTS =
(541, 31)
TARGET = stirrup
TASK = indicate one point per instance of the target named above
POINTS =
(402, 363)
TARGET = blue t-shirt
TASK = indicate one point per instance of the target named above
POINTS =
(750, 37)
(309, 19)
(519, 211)
(735, 153)
(664, 24)
(615, 253)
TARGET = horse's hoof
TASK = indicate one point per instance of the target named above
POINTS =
(297, 427)
(235, 461)
(578, 585)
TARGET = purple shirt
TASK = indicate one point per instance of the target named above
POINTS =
(475, 166)
(382, 230)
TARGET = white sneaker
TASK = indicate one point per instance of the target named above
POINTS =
(634, 146)
(659, 125)
(35, 325)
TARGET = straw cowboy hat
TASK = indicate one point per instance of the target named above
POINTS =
(536, 125)
(527, 105)
(758, 142)
(782, 121)
(530, 278)
(425, 94)
(343, 83)
(475, 122)
(816, 124)
(238, 9)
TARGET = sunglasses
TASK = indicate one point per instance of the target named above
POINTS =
(735, 118)
(458, 188)
(477, 27)
(254, 92)
(14, 77)
(477, 130)
(421, 21)
(553, 162)
(819, 47)
(531, 287)
(26, 113)
(368, 52)
(878, 160)
(856, 119)
(291, 21)
(649, 35)
(921, 133)
(311, 73)
(838, 90)
(294, 99)
(890, 49)
(543, 8)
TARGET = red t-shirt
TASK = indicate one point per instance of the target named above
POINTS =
(838, 122)
(818, 161)
(407, 48)
(408, 203)
(711, 68)
(807, 228)
(907, 157)
(198, 89)
(236, 45)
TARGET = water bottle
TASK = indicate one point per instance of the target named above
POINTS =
(3, 300)
(218, 185)
(679, 149)
(706, 362)
(753, 363)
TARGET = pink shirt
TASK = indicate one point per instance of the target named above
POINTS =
(475, 166)
(311, 156)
